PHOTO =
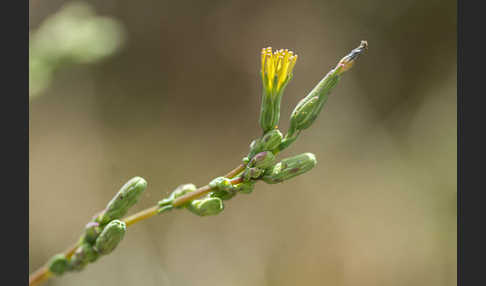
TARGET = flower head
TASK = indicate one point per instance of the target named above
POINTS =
(277, 68)
(276, 72)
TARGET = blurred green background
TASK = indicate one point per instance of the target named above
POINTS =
(170, 91)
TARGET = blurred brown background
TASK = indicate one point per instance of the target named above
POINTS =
(179, 103)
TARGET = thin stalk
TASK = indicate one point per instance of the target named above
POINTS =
(199, 192)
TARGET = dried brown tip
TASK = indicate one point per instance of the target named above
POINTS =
(358, 51)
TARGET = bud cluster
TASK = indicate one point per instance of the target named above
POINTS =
(103, 234)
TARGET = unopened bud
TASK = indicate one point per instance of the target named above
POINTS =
(123, 200)
(91, 232)
(58, 264)
(110, 237)
(245, 187)
(206, 206)
(262, 160)
(307, 110)
(166, 204)
(252, 174)
(222, 188)
(83, 255)
(221, 184)
(289, 168)
(271, 140)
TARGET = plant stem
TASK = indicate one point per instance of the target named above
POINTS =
(146, 213)
(39, 276)
(235, 171)
(43, 273)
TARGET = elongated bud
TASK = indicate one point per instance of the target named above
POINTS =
(110, 237)
(58, 264)
(245, 187)
(206, 206)
(289, 168)
(123, 200)
(307, 110)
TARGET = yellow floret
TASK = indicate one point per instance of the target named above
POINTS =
(277, 67)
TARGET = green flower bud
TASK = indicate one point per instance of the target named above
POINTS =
(245, 187)
(83, 255)
(221, 184)
(252, 174)
(289, 168)
(123, 200)
(307, 110)
(224, 195)
(110, 237)
(166, 204)
(206, 206)
(270, 141)
(262, 160)
(222, 188)
(91, 232)
(58, 264)
(78, 261)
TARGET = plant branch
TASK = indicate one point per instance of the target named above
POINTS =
(42, 274)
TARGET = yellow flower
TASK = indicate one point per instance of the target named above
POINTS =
(277, 68)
